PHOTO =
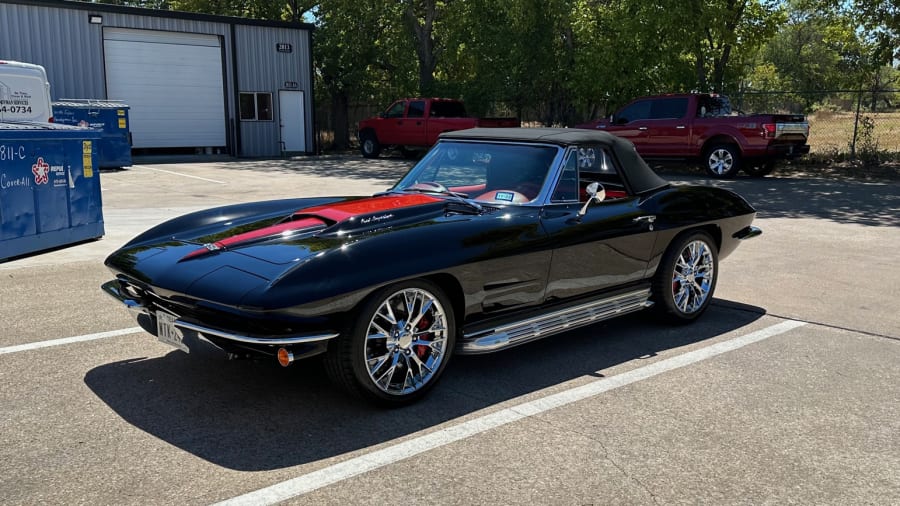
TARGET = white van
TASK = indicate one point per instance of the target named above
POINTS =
(24, 92)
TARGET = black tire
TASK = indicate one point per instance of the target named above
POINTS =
(675, 299)
(369, 145)
(761, 170)
(410, 154)
(379, 360)
(722, 161)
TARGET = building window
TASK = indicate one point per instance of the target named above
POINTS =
(256, 106)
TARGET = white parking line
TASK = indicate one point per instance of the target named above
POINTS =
(69, 340)
(364, 463)
(178, 174)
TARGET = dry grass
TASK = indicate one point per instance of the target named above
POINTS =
(832, 132)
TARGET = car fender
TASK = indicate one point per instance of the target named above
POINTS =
(472, 253)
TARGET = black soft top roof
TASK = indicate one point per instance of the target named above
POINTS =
(639, 175)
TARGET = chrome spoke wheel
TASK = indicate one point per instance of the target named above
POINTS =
(720, 161)
(406, 341)
(693, 275)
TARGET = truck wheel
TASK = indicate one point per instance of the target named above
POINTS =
(369, 145)
(722, 161)
(410, 154)
(763, 169)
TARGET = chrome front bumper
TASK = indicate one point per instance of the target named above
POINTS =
(113, 288)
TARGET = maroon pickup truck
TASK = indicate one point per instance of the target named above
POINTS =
(414, 124)
(702, 127)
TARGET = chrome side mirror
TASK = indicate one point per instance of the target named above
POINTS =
(596, 193)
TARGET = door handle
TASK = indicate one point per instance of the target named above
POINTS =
(649, 219)
(642, 128)
(681, 127)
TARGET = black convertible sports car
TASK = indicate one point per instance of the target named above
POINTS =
(497, 237)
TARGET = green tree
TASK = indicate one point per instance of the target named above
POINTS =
(421, 18)
(361, 53)
(881, 19)
(719, 37)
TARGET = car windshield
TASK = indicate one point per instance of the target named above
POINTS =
(500, 173)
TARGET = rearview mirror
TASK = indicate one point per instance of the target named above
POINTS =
(596, 192)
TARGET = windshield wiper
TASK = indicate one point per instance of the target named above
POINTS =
(470, 204)
(457, 197)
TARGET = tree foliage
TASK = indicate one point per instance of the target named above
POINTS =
(564, 61)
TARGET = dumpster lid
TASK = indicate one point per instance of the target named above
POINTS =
(39, 126)
(90, 103)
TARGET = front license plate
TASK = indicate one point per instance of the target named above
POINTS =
(167, 333)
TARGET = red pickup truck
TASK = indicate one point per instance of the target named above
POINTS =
(413, 124)
(702, 127)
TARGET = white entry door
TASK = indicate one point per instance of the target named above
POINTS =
(292, 120)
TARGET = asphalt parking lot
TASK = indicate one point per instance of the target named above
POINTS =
(787, 391)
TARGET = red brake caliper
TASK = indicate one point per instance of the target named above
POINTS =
(421, 349)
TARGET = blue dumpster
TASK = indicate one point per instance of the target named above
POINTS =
(108, 116)
(49, 187)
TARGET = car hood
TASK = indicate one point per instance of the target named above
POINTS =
(224, 259)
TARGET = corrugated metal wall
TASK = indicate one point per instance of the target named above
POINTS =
(62, 41)
(261, 68)
(71, 49)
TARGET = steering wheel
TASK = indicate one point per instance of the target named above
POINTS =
(429, 186)
(503, 197)
(434, 187)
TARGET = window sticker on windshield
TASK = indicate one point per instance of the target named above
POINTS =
(508, 196)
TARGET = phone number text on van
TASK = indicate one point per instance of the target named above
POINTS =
(15, 109)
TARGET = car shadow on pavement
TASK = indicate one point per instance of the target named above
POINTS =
(254, 416)
(840, 201)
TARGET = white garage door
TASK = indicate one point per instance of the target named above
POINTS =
(173, 83)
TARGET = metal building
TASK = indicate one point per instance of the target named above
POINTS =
(194, 82)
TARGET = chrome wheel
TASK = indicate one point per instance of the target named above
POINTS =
(720, 161)
(685, 280)
(693, 276)
(406, 341)
(723, 161)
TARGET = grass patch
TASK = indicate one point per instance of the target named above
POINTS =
(832, 132)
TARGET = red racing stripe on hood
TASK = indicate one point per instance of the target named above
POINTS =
(345, 210)
(316, 216)
(253, 235)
